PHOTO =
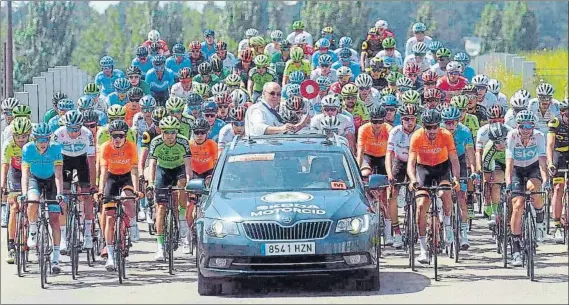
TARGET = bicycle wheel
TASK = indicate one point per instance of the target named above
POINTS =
(434, 247)
(170, 239)
(19, 244)
(118, 248)
(43, 256)
(529, 245)
(457, 227)
(412, 236)
(73, 244)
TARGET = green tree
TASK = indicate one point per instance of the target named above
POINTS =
(425, 15)
(529, 35)
(488, 27)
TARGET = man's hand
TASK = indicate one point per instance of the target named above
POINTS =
(551, 169)
(413, 186)
(456, 184)
(288, 127)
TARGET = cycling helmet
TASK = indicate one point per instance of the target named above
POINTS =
(261, 61)
(237, 114)
(431, 116)
(364, 80)
(195, 45)
(233, 80)
(73, 118)
(450, 113)
(325, 59)
(285, 45)
(344, 71)
(323, 43)
(154, 35)
(10, 103)
(323, 82)
(389, 100)
(345, 42)
(331, 100)
(433, 93)
(443, 52)
(89, 89)
(158, 60)
(90, 116)
(194, 99)
(133, 70)
(121, 85)
(296, 54)
(116, 111)
(462, 57)
(219, 88)
(296, 77)
(178, 49)
(222, 98)
(216, 64)
(377, 112)
(389, 62)
(564, 104)
(404, 82)
(209, 107)
(247, 55)
(435, 45)
(408, 109)
(420, 48)
(85, 102)
(372, 30)
(519, 102)
(494, 85)
(239, 97)
(221, 45)
(525, 116)
(185, 73)
(388, 43)
(158, 114)
(411, 67)
(454, 66)
(387, 91)
(349, 90)
(298, 25)
(64, 104)
(21, 126)
(169, 123)
(201, 124)
(147, 101)
(410, 97)
(289, 116)
(480, 80)
(292, 90)
(381, 24)
(277, 35)
(524, 93)
(175, 103)
(41, 130)
(468, 89)
(201, 89)
(497, 132)
(154, 47)
(345, 54)
(135, 94)
(459, 101)
(375, 64)
(330, 123)
(256, 41)
(204, 68)
(118, 125)
(25, 111)
(544, 89)
(209, 32)
(393, 77)
(106, 61)
(419, 27)
(295, 103)
(251, 32)
(141, 51)
(327, 30)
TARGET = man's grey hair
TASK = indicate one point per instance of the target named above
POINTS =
(267, 85)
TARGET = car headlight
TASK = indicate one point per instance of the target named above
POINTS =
(354, 225)
(221, 228)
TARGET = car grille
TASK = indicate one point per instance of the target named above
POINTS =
(300, 230)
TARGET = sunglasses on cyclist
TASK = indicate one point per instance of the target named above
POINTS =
(90, 125)
(118, 135)
(133, 76)
(411, 74)
(454, 73)
(176, 111)
(8, 113)
(451, 122)
(526, 126)
(429, 83)
(238, 123)
(431, 127)
(42, 139)
(209, 115)
(147, 109)
(170, 131)
(499, 142)
(408, 118)
(376, 122)
(324, 66)
(329, 109)
(364, 88)
(200, 132)
(223, 106)
(390, 109)
(21, 136)
(73, 129)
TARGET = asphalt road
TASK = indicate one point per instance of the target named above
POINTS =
(477, 278)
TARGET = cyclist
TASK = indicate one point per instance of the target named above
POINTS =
(432, 158)
(183, 87)
(257, 45)
(323, 49)
(143, 120)
(244, 43)
(119, 96)
(390, 103)
(418, 56)
(154, 38)
(366, 93)
(235, 127)
(296, 63)
(160, 79)
(418, 36)
(353, 105)
(433, 46)
(412, 71)
(443, 57)
(196, 56)
(78, 150)
(396, 162)
(194, 103)
(346, 61)
(518, 102)
(205, 75)
(404, 84)
(452, 83)
(323, 90)
(557, 157)
(108, 75)
(132, 107)
(209, 110)
(259, 75)
(90, 120)
(227, 57)
(119, 177)
(328, 33)
(293, 87)
(11, 178)
(525, 162)
(178, 61)
(223, 101)
(433, 98)
(298, 29)
(370, 46)
(345, 77)
(429, 79)
(544, 106)
(494, 87)
(279, 59)
(218, 68)
(8, 106)
(465, 152)
(324, 68)
(389, 51)
(134, 74)
(175, 107)
(91, 89)
(346, 42)
(63, 106)
(483, 97)
(466, 70)
(244, 64)
(202, 89)
(12, 102)
(377, 71)
(474, 107)
(42, 170)
(170, 165)
(142, 60)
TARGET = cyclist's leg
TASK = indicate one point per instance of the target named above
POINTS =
(399, 173)
(69, 164)
(161, 180)
(54, 220)
(423, 204)
(182, 204)
(112, 188)
(82, 176)
(443, 173)
(14, 184)
(378, 167)
(556, 200)
(518, 177)
(487, 210)
(130, 205)
(461, 197)
(33, 195)
(534, 185)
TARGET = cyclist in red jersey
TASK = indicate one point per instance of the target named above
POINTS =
(453, 82)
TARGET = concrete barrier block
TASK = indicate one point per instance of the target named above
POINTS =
(528, 73)
(23, 97)
(508, 61)
(517, 62)
(42, 96)
(64, 79)
(33, 100)
(56, 79)
(49, 86)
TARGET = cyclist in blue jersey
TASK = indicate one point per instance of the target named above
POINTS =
(346, 61)
(119, 97)
(208, 46)
(194, 103)
(160, 79)
(209, 110)
(63, 106)
(107, 76)
(294, 81)
(463, 58)
(42, 170)
(87, 102)
(526, 169)
(323, 48)
(178, 61)
(390, 103)
(465, 151)
(142, 60)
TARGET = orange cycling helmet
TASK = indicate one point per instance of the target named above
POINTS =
(195, 45)
(429, 76)
(247, 55)
(411, 68)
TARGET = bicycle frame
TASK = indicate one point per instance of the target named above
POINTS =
(74, 230)
(171, 226)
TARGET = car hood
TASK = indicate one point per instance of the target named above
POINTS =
(295, 206)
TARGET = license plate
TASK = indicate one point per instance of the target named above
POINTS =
(289, 248)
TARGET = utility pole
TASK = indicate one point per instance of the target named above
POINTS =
(9, 55)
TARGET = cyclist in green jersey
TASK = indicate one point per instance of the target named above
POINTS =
(175, 107)
(467, 119)
(170, 164)
(260, 75)
(134, 74)
(57, 96)
(218, 69)
(115, 112)
(205, 75)
(494, 163)
(279, 59)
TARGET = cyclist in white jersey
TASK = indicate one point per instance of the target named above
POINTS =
(389, 51)
(367, 93)
(418, 56)
(324, 69)
(525, 162)
(324, 84)
(143, 120)
(544, 106)
(229, 131)
(346, 42)
(442, 56)
(494, 87)
(330, 106)
(483, 97)
(78, 150)
(396, 161)
(244, 43)
(418, 36)
(518, 102)
(183, 87)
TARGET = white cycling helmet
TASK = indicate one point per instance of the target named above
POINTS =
(251, 33)
(364, 80)
(343, 70)
(545, 89)
(524, 93)
(331, 100)
(330, 123)
(494, 86)
(420, 48)
(480, 80)
(154, 36)
(519, 102)
(381, 24)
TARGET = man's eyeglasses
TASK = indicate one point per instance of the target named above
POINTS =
(73, 129)
(453, 73)
(133, 76)
(238, 123)
(408, 118)
(431, 127)
(147, 109)
(329, 109)
(275, 93)
(411, 74)
(209, 115)
(526, 126)
(8, 113)
(376, 122)
(200, 132)
(170, 131)
(90, 125)
(118, 135)
(364, 88)
(223, 106)
(21, 136)
(324, 66)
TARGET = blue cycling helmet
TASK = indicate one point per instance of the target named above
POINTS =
(178, 49)
(86, 102)
(345, 42)
(345, 53)
(209, 107)
(323, 43)
(147, 101)
(296, 77)
(419, 27)
(323, 82)
(73, 118)
(41, 130)
(434, 45)
(66, 104)
(121, 85)
(325, 59)
(389, 100)
(209, 32)
(106, 61)
(389, 62)
(450, 113)
(293, 90)
(462, 57)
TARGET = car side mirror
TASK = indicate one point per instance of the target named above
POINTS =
(377, 182)
(197, 186)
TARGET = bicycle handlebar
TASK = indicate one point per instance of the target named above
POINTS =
(120, 198)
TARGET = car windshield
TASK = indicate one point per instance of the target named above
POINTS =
(286, 171)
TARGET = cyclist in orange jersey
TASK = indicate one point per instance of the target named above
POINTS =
(432, 154)
(133, 107)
